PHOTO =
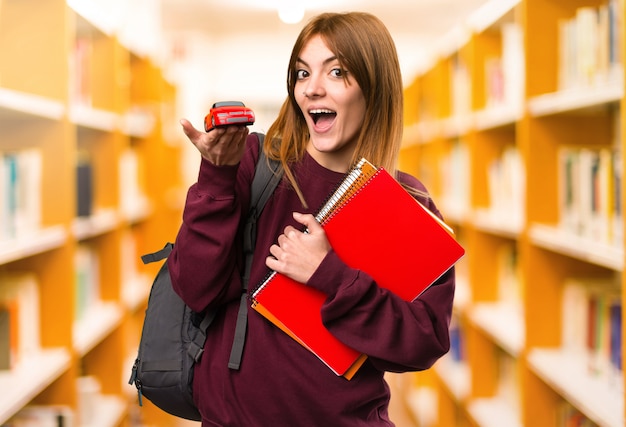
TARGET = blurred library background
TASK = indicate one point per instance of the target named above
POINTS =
(513, 120)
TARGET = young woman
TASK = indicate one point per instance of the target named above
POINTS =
(344, 102)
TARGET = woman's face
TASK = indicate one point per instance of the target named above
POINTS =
(333, 107)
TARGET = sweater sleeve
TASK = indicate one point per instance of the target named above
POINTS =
(206, 261)
(396, 335)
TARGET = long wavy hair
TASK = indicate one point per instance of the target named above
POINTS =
(364, 47)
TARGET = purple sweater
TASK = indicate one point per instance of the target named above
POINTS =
(280, 383)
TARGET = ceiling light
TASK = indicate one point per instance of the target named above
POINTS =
(291, 11)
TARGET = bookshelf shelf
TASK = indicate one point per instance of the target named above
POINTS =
(497, 223)
(100, 320)
(429, 130)
(456, 126)
(456, 376)
(16, 105)
(576, 99)
(139, 210)
(566, 243)
(534, 187)
(494, 412)
(101, 222)
(567, 373)
(29, 378)
(96, 119)
(34, 243)
(138, 124)
(503, 322)
(420, 405)
(109, 411)
(456, 212)
(135, 292)
(492, 118)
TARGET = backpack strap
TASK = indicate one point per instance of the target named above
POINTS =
(158, 255)
(265, 181)
(267, 175)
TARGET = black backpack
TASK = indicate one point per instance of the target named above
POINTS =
(173, 336)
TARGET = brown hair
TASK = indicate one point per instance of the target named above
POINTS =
(365, 48)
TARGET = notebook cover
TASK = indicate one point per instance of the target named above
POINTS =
(382, 230)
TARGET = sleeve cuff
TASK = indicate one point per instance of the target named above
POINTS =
(216, 181)
(332, 274)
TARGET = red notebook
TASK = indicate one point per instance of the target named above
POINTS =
(375, 225)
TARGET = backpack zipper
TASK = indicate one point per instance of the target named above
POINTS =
(134, 380)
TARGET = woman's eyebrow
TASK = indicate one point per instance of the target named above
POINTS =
(326, 61)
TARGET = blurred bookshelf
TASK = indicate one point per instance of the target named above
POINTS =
(516, 131)
(87, 169)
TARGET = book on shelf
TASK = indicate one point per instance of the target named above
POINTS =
(589, 193)
(20, 192)
(42, 416)
(457, 340)
(513, 65)
(455, 179)
(375, 225)
(569, 416)
(615, 334)
(616, 218)
(589, 46)
(87, 279)
(507, 190)
(128, 257)
(604, 333)
(494, 83)
(592, 324)
(510, 281)
(81, 61)
(84, 187)
(19, 318)
(509, 383)
(5, 337)
(504, 75)
(89, 391)
(460, 87)
(132, 195)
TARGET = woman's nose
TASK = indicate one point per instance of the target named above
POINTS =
(314, 88)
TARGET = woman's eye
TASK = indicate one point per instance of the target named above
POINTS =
(337, 72)
(301, 74)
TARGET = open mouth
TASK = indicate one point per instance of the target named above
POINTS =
(322, 116)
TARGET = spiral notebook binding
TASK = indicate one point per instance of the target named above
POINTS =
(361, 172)
(257, 290)
(359, 186)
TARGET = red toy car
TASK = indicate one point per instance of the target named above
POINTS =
(228, 113)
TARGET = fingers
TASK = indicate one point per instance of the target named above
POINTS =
(231, 135)
(284, 242)
(191, 132)
(229, 132)
(275, 252)
(308, 221)
(282, 250)
(220, 146)
(298, 254)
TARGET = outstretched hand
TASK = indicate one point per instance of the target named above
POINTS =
(221, 146)
(298, 254)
